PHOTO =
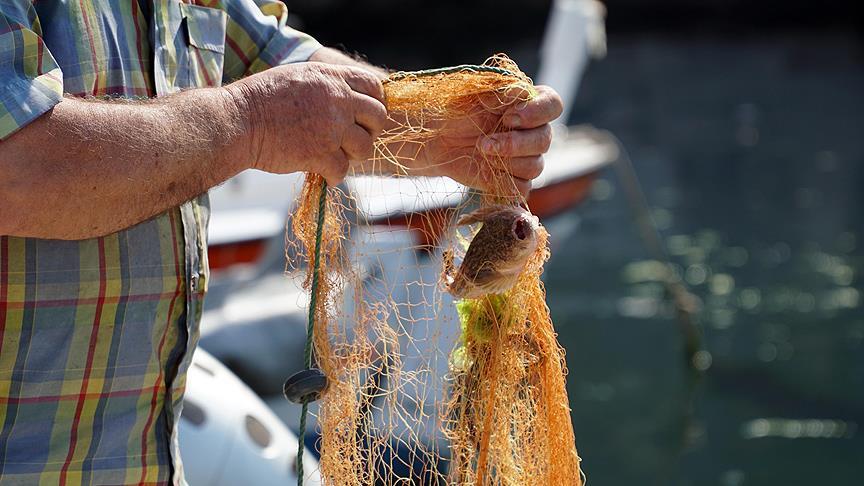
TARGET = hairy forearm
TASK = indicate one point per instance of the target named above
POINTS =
(90, 168)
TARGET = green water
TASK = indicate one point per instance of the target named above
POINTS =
(751, 152)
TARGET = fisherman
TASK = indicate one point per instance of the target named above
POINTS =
(114, 123)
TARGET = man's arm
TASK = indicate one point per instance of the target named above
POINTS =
(89, 168)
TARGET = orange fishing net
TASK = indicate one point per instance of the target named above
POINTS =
(423, 389)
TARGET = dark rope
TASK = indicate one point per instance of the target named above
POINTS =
(313, 301)
(472, 68)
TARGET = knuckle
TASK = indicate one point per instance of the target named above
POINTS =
(557, 104)
(358, 73)
(554, 105)
(381, 114)
(536, 167)
(368, 79)
(507, 143)
(546, 138)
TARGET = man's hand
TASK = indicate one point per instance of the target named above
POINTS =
(311, 117)
(459, 151)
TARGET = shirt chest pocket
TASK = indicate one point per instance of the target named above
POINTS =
(205, 35)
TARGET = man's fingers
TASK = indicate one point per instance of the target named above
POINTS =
(370, 113)
(482, 176)
(540, 110)
(518, 143)
(525, 167)
(363, 81)
(357, 143)
(334, 167)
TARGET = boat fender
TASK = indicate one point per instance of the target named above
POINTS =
(305, 386)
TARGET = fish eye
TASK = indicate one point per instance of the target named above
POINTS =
(520, 229)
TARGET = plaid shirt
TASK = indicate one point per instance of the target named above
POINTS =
(96, 336)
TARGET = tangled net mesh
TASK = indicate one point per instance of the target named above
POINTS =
(422, 389)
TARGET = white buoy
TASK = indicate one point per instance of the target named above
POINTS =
(228, 435)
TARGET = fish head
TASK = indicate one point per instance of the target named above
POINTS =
(511, 228)
(524, 229)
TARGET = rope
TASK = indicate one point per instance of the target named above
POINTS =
(474, 68)
(313, 301)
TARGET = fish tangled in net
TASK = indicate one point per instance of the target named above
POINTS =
(505, 417)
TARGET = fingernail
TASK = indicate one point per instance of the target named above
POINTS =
(521, 105)
(513, 121)
(490, 145)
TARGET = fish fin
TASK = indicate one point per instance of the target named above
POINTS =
(499, 284)
(485, 277)
(481, 214)
(486, 281)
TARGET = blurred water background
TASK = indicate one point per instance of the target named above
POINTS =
(745, 123)
(751, 152)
